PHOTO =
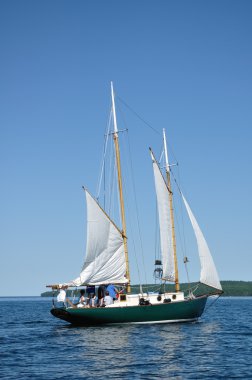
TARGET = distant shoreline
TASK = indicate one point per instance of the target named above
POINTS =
(230, 288)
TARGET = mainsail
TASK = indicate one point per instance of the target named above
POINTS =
(208, 275)
(164, 223)
(105, 258)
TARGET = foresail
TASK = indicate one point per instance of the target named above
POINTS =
(105, 258)
(164, 223)
(208, 275)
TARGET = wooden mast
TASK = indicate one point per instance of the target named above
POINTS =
(119, 175)
(167, 169)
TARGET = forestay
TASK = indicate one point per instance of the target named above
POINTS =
(164, 223)
(208, 275)
(105, 258)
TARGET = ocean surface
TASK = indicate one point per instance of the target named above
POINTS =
(35, 345)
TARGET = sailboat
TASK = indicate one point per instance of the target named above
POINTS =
(107, 260)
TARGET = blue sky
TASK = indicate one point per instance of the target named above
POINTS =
(184, 65)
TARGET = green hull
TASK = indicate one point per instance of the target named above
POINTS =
(183, 311)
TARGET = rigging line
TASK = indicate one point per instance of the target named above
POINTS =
(104, 187)
(187, 273)
(129, 225)
(112, 191)
(104, 155)
(111, 181)
(178, 229)
(134, 246)
(172, 153)
(175, 181)
(136, 205)
(157, 247)
(152, 288)
(157, 239)
(146, 123)
(212, 303)
(181, 234)
(131, 174)
(160, 159)
(194, 288)
(180, 192)
(182, 217)
(118, 199)
(130, 219)
(178, 225)
(137, 115)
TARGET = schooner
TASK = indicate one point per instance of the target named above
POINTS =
(107, 260)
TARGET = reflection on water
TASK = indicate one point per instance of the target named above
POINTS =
(35, 345)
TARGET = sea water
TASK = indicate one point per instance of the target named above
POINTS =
(35, 345)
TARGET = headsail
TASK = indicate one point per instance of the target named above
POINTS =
(164, 223)
(105, 258)
(208, 275)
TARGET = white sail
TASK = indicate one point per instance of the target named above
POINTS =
(105, 258)
(164, 223)
(208, 275)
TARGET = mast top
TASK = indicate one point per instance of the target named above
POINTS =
(113, 108)
(166, 152)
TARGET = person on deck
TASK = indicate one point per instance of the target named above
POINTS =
(108, 300)
(81, 302)
(90, 294)
(100, 295)
(112, 291)
(61, 297)
(93, 301)
(82, 299)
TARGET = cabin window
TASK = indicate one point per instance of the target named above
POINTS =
(122, 297)
(174, 296)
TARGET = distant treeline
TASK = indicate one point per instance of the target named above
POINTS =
(230, 288)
